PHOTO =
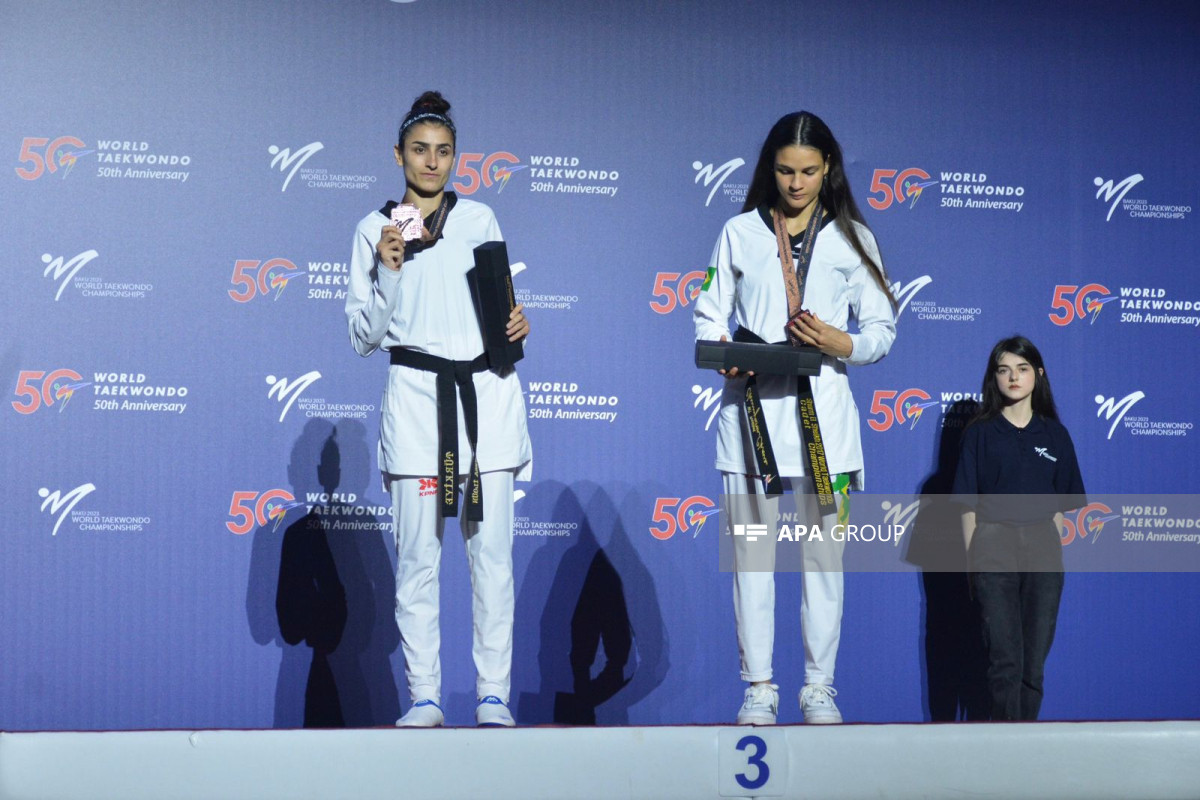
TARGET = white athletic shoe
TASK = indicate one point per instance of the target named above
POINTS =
(493, 713)
(816, 701)
(423, 714)
(760, 706)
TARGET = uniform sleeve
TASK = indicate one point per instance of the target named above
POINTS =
(1068, 481)
(370, 297)
(966, 476)
(714, 304)
(493, 229)
(872, 310)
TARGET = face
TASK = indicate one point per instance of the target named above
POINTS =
(799, 173)
(427, 157)
(1015, 377)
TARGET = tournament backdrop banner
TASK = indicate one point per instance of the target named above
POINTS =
(196, 534)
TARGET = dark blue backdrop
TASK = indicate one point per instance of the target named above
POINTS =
(183, 188)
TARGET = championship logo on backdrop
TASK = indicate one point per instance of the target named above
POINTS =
(674, 290)
(904, 408)
(708, 400)
(928, 310)
(61, 506)
(1138, 305)
(890, 407)
(673, 515)
(1116, 410)
(40, 156)
(896, 188)
(291, 163)
(571, 175)
(526, 525)
(543, 301)
(899, 515)
(1114, 194)
(273, 278)
(119, 159)
(110, 391)
(337, 511)
(63, 273)
(248, 508)
(716, 180)
(38, 389)
(1089, 521)
(566, 400)
(290, 391)
(485, 170)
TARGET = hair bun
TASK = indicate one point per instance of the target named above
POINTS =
(430, 102)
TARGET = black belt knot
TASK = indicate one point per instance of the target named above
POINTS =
(760, 437)
(451, 374)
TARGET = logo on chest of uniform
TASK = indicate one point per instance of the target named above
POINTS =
(1041, 451)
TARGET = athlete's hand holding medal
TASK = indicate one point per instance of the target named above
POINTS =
(406, 227)
(807, 328)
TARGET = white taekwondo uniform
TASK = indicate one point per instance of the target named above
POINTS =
(426, 306)
(747, 284)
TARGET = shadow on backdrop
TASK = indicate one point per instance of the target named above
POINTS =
(953, 657)
(602, 646)
(333, 589)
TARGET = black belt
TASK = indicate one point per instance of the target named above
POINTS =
(814, 445)
(450, 373)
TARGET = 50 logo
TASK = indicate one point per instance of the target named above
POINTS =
(1090, 519)
(495, 170)
(898, 188)
(676, 290)
(691, 513)
(896, 408)
(248, 508)
(39, 389)
(43, 155)
(1073, 302)
(261, 277)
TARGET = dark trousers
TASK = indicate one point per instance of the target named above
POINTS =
(1017, 580)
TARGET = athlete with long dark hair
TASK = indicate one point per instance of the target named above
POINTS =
(1017, 473)
(799, 264)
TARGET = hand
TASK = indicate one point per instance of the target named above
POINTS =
(518, 326)
(733, 371)
(391, 248)
(829, 340)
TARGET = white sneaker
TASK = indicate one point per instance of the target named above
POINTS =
(816, 701)
(493, 713)
(423, 714)
(760, 706)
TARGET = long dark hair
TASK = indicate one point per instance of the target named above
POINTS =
(1042, 398)
(806, 129)
(430, 107)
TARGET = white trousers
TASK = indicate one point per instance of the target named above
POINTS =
(820, 600)
(418, 526)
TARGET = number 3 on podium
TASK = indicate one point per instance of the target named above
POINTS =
(752, 762)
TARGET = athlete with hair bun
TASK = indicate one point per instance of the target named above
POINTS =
(449, 424)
